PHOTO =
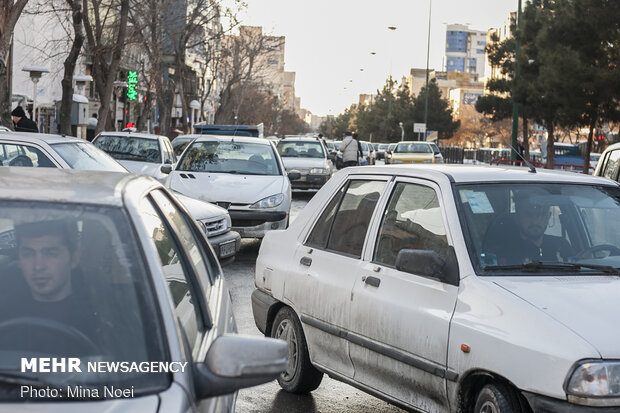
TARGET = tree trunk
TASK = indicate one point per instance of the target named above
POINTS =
(586, 156)
(70, 63)
(550, 146)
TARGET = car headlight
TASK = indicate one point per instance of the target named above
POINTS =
(318, 171)
(397, 161)
(594, 383)
(269, 202)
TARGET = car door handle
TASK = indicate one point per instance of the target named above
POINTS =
(372, 281)
(305, 261)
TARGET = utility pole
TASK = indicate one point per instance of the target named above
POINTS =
(428, 48)
(515, 105)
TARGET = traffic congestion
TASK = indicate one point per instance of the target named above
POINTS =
(261, 207)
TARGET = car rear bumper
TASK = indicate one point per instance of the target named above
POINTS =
(310, 182)
(254, 224)
(226, 245)
(261, 305)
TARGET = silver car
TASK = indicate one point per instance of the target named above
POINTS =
(307, 156)
(112, 300)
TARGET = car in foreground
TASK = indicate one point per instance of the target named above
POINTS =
(244, 175)
(307, 156)
(54, 151)
(115, 272)
(140, 153)
(450, 288)
(607, 165)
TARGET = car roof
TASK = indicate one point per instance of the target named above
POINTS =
(230, 138)
(33, 137)
(51, 185)
(612, 147)
(481, 173)
(133, 135)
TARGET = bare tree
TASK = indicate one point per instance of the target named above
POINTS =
(69, 66)
(105, 23)
(10, 10)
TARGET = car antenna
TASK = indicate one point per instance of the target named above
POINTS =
(529, 165)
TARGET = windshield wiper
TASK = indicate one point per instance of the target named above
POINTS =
(538, 265)
(23, 380)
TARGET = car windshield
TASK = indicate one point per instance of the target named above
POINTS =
(364, 146)
(413, 148)
(539, 228)
(230, 157)
(87, 157)
(383, 146)
(300, 149)
(73, 285)
(130, 148)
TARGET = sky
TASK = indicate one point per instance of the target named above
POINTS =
(329, 42)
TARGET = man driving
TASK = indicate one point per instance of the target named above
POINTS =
(527, 241)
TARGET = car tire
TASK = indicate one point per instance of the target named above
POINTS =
(497, 398)
(300, 375)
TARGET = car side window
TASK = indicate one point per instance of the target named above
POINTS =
(177, 273)
(611, 164)
(23, 155)
(168, 153)
(198, 259)
(412, 220)
(320, 232)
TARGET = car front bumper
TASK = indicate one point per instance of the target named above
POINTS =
(226, 245)
(543, 404)
(310, 182)
(254, 224)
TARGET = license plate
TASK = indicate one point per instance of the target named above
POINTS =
(227, 249)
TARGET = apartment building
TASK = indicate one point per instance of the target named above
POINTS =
(465, 50)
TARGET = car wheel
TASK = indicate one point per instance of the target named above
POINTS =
(497, 398)
(300, 375)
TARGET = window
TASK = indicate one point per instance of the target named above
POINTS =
(168, 152)
(611, 164)
(412, 220)
(177, 274)
(320, 232)
(23, 155)
(353, 217)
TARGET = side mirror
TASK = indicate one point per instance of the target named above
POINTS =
(166, 169)
(429, 264)
(294, 175)
(235, 362)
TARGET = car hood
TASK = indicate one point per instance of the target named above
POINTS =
(200, 209)
(587, 305)
(411, 156)
(220, 187)
(144, 404)
(303, 163)
(143, 168)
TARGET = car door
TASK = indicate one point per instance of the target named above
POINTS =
(400, 321)
(200, 301)
(325, 267)
(22, 154)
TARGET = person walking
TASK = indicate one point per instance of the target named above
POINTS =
(349, 149)
(91, 126)
(21, 123)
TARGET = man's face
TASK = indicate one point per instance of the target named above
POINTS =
(46, 263)
(533, 220)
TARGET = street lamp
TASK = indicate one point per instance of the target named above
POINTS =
(402, 131)
(118, 87)
(35, 74)
(194, 105)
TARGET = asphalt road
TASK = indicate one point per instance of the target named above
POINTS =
(332, 396)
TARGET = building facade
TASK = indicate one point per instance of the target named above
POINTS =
(465, 50)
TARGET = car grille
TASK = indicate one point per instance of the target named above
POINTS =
(216, 227)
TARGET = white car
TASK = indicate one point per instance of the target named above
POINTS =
(55, 151)
(308, 156)
(445, 288)
(242, 174)
(140, 153)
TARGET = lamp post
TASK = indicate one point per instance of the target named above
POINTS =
(515, 105)
(118, 86)
(402, 131)
(35, 74)
(428, 48)
(194, 105)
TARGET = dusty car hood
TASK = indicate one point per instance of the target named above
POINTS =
(200, 209)
(144, 168)
(303, 163)
(238, 189)
(587, 305)
(144, 404)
